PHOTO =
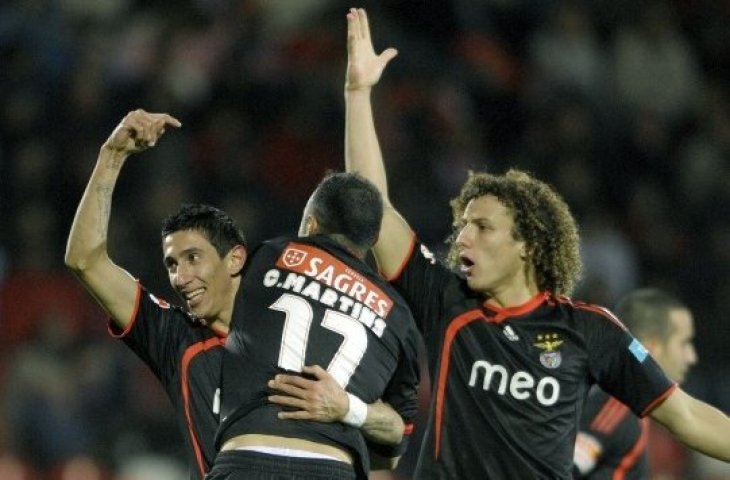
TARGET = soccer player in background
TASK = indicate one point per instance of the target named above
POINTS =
(511, 356)
(612, 440)
(183, 348)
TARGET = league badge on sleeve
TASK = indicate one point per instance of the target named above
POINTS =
(638, 350)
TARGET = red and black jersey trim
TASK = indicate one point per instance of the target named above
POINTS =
(459, 322)
(187, 357)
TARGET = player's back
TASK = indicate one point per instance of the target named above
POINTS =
(306, 301)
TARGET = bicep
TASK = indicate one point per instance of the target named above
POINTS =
(394, 243)
(113, 288)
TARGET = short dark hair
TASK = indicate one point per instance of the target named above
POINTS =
(215, 224)
(347, 204)
(645, 312)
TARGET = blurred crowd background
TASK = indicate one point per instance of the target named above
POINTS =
(623, 105)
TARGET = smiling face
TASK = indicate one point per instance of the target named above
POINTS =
(492, 260)
(206, 282)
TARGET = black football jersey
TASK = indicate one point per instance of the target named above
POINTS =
(611, 442)
(186, 357)
(307, 301)
(509, 384)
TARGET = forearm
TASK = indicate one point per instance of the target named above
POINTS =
(362, 149)
(88, 236)
(383, 424)
(708, 432)
(700, 426)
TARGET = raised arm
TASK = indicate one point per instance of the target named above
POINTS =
(695, 423)
(362, 150)
(86, 251)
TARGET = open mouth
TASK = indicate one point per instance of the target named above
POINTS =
(193, 296)
(466, 263)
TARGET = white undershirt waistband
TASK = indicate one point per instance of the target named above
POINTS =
(288, 452)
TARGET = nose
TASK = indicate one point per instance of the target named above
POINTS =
(180, 277)
(464, 237)
(691, 355)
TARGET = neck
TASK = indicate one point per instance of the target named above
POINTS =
(219, 326)
(223, 321)
(348, 245)
(507, 299)
(513, 294)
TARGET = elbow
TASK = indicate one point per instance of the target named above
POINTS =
(79, 260)
(74, 259)
(73, 262)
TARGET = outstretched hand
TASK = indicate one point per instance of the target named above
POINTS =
(139, 130)
(322, 400)
(364, 66)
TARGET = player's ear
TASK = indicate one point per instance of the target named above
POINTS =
(311, 226)
(236, 259)
(524, 252)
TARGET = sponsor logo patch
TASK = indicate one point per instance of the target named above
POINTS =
(293, 257)
(323, 267)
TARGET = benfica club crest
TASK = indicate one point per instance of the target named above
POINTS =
(549, 343)
(550, 359)
(293, 257)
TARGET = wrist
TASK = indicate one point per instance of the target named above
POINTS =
(357, 412)
(112, 157)
(358, 90)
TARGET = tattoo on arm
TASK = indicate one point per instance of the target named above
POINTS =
(104, 199)
(115, 162)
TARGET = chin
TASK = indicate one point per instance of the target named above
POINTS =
(198, 311)
(473, 283)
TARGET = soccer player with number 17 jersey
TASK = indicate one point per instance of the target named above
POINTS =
(313, 300)
(510, 355)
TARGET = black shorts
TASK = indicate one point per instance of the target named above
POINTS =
(248, 465)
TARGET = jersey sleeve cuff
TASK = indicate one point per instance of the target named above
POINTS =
(406, 259)
(114, 330)
(658, 400)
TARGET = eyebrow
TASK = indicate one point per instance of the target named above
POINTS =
(480, 219)
(187, 251)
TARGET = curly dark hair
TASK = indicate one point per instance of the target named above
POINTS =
(542, 220)
(215, 224)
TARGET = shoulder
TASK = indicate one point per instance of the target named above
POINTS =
(155, 305)
(588, 312)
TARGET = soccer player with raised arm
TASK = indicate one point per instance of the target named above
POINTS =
(511, 355)
(204, 253)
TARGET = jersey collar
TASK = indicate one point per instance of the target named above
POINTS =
(502, 314)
